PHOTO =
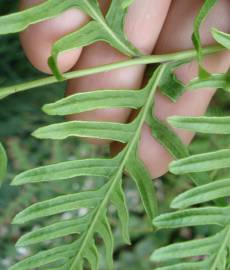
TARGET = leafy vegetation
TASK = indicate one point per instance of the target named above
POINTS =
(75, 242)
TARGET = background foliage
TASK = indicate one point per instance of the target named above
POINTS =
(21, 114)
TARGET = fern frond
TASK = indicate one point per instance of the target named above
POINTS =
(57, 230)
(214, 248)
(84, 230)
(138, 172)
(203, 13)
(172, 143)
(210, 252)
(96, 221)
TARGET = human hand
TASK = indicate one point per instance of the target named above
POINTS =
(152, 26)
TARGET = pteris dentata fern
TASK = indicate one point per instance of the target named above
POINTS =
(96, 220)
(212, 252)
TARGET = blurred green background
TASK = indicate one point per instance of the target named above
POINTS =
(21, 114)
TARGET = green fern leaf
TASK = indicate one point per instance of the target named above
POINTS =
(58, 254)
(202, 162)
(173, 145)
(222, 38)
(100, 130)
(19, 21)
(194, 217)
(204, 193)
(109, 29)
(92, 257)
(141, 176)
(187, 249)
(167, 138)
(96, 221)
(97, 100)
(214, 247)
(211, 125)
(104, 230)
(60, 204)
(203, 13)
(67, 170)
(212, 81)
(170, 85)
(53, 231)
(119, 201)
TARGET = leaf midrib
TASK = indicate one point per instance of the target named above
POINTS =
(127, 151)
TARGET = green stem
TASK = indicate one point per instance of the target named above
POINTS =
(143, 60)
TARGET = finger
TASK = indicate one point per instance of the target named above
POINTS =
(176, 36)
(143, 25)
(37, 40)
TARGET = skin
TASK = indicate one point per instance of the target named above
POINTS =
(153, 26)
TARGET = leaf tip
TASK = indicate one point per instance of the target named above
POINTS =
(175, 204)
(173, 167)
(153, 257)
(16, 220)
(171, 120)
(128, 242)
(52, 63)
(17, 181)
(214, 30)
(19, 243)
(155, 222)
(37, 134)
(47, 108)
